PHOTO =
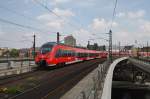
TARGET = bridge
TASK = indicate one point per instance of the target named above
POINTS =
(104, 82)
(118, 80)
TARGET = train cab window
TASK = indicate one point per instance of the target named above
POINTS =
(46, 48)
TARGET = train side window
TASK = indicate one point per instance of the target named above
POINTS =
(69, 54)
(78, 54)
(72, 53)
(63, 53)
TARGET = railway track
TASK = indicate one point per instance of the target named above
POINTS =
(14, 78)
(52, 84)
(39, 71)
(72, 80)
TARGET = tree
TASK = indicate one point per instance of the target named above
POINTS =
(104, 48)
(95, 47)
(14, 53)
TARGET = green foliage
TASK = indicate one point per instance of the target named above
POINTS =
(14, 90)
(14, 53)
(11, 90)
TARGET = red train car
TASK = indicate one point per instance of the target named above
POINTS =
(51, 54)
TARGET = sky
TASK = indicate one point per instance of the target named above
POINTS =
(84, 19)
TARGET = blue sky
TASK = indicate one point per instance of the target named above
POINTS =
(81, 18)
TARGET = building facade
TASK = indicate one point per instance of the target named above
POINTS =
(70, 40)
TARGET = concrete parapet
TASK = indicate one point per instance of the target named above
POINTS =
(96, 85)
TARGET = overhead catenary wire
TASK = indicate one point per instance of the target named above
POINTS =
(20, 14)
(49, 10)
(113, 17)
(22, 26)
(12, 41)
(113, 14)
(100, 38)
(27, 17)
(74, 19)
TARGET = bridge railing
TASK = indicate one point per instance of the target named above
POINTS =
(10, 63)
(16, 66)
(140, 60)
(2, 60)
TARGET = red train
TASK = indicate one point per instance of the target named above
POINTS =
(131, 53)
(52, 54)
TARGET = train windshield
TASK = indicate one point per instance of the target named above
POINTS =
(46, 48)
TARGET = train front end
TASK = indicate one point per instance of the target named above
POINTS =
(44, 57)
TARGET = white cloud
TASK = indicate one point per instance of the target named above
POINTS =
(81, 36)
(137, 14)
(136, 30)
(122, 35)
(145, 27)
(131, 14)
(55, 22)
(56, 2)
(45, 17)
(60, 1)
(127, 37)
(59, 12)
(1, 32)
(85, 3)
(121, 14)
(81, 3)
(64, 13)
(100, 24)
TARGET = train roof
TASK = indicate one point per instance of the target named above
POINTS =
(54, 43)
